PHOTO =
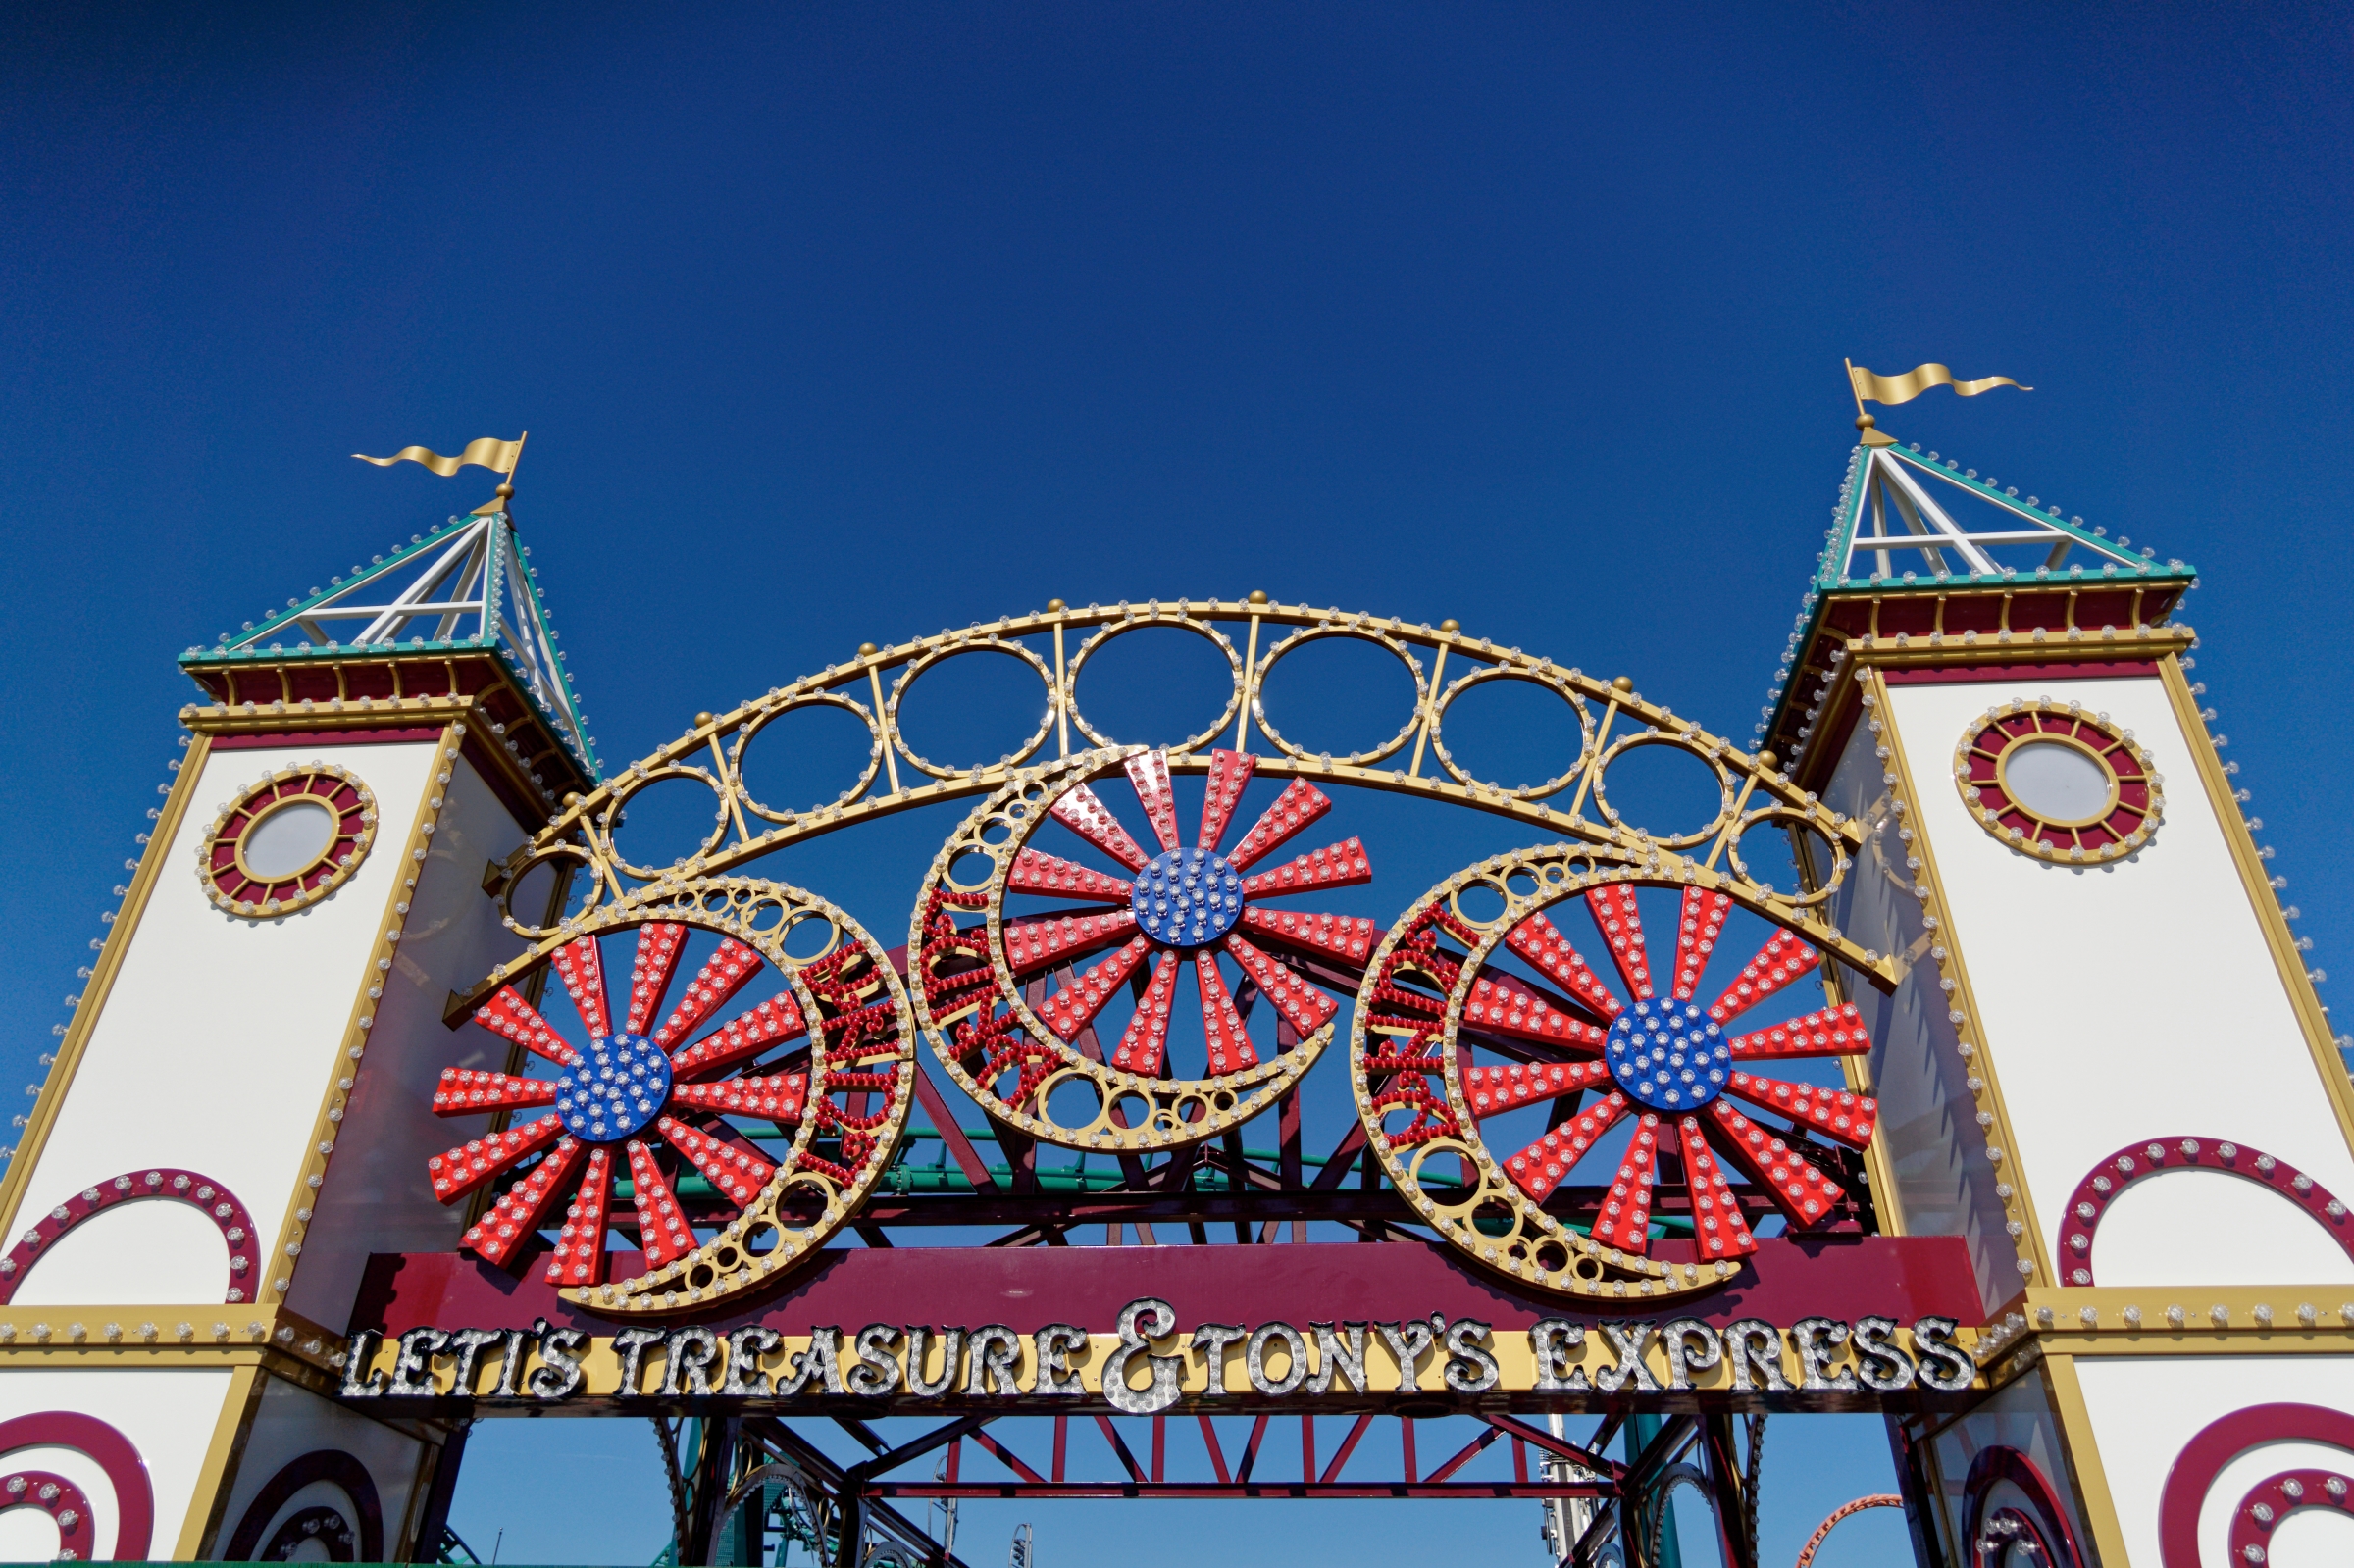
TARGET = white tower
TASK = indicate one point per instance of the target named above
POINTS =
(191, 1224)
(2106, 1066)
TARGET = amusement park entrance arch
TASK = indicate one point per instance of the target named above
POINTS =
(1628, 1131)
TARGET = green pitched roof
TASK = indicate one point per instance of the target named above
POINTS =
(466, 586)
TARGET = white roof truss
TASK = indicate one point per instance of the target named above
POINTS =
(1900, 524)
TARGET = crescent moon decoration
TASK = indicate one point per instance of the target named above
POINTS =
(636, 1095)
(1661, 1059)
(1071, 879)
(1200, 908)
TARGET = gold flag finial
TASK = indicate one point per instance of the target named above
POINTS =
(501, 457)
(1891, 389)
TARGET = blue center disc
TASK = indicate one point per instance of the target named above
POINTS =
(1668, 1056)
(1188, 898)
(619, 1086)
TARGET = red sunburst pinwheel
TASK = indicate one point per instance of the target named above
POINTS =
(633, 1091)
(1662, 1059)
(1175, 909)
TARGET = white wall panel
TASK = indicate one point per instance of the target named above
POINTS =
(2124, 1001)
(28, 1534)
(1936, 1153)
(150, 1252)
(218, 1034)
(2243, 1232)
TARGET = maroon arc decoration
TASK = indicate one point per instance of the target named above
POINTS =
(115, 1456)
(2108, 1180)
(333, 1465)
(2271, 1501)
(169, 1183)
(1992, 1530)
(2203, 1458)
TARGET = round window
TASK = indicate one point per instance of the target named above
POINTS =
(2057, 783)
(288, 841)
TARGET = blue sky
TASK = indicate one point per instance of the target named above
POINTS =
(838, 323)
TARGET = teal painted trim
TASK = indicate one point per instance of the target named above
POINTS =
(1835, 554)
(1923, 583)
(563, 676)
(207, 657)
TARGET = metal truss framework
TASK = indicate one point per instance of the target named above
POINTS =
(756, 1478)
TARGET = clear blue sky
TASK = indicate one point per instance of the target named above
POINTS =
(836, 324)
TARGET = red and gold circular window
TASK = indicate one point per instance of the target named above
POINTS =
(2055, 781)
(288, 841)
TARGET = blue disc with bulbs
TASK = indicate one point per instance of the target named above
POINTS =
(1188, 898)
(615, 1090)
(1668, 1056)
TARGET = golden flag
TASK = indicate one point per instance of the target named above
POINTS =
(497, 456)
(1917, 380)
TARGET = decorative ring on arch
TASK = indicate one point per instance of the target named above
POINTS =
(1361, 633)
(818, 699)
(2273, 1499)
(1436, 998)
(829, 1059)
(1727, 802)
(332, 1465)
(1553, 681)
(899, 688)
(1991, 1532)
(982, 990)
(1095, 643)
(631, 782)
(112, 1453)
(197, 1191)
(2103, 1185)
(2203, 1458)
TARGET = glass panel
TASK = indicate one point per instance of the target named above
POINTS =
(2056, 780)
(289, 839)
(1927, 1117)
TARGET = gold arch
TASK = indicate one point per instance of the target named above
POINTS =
(1416, 760)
